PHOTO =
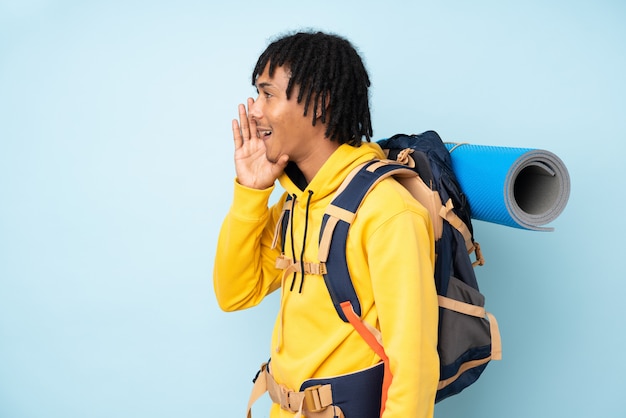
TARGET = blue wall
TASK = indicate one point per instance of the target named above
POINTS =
(116, 170)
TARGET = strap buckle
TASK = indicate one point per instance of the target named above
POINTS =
(480, 260)
(312, 399)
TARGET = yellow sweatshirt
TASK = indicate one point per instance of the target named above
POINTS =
(390, 256)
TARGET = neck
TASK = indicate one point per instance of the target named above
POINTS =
(310, 164)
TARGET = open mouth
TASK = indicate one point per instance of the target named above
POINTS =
(263, 134)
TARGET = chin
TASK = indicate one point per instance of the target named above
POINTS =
(271, 159)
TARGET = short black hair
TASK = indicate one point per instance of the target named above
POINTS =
(331, 75)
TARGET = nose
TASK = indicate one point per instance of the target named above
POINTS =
(254, 109)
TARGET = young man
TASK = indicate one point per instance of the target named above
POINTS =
(309, 128)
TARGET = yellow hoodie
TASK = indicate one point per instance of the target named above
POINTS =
(390, 256)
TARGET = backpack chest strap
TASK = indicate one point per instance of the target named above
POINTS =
(285, 263)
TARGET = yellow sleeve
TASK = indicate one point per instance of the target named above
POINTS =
(401, 259)
(244, 270)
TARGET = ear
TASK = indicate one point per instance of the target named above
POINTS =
(323, 103)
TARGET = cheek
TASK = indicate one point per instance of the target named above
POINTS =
(300, 121)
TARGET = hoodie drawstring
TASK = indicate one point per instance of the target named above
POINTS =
(293, 248)
(293, 266)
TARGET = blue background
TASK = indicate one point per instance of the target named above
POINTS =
(116, 171)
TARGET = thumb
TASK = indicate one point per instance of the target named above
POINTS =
(281, 163)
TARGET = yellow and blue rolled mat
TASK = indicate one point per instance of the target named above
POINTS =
(518, 187)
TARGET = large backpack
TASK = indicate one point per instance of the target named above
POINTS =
(468, 336)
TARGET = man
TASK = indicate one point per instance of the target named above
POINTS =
(309, 128)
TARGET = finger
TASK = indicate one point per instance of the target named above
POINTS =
(251, 120)
(237, 134)
(253, 131)
(243, 120)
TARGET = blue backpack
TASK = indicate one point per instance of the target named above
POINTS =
(468, 336)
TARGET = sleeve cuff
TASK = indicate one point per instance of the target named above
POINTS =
(249, 203)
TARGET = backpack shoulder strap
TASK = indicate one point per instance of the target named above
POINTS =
(332, 252)
(283, 223)
(336, 223)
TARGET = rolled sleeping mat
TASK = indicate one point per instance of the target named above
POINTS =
(518, 187)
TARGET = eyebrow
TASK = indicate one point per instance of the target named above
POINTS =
(263, 85)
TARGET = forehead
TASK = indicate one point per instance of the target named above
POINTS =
(280, 77)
